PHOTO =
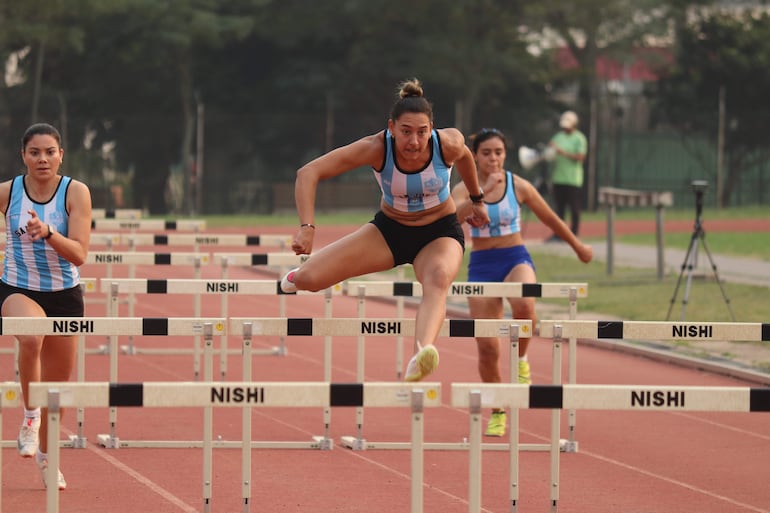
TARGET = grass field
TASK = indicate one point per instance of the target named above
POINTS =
(630, 294)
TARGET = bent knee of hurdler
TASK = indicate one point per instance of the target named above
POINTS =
(309, 281)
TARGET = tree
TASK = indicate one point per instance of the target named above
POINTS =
(591, 29)
(722, 53)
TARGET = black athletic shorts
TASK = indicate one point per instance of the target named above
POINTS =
(61, 303)
(406, 241)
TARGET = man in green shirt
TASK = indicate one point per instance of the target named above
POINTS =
(567, 173)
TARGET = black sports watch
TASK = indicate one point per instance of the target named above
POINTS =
(477, 198)
(51, 231)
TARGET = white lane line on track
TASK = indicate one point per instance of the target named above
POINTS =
(676, 482)
(409, 478)
(546, 439)
(141, 479)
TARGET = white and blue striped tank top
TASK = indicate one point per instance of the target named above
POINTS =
(416, 190)
(36, 265)
(504, 214)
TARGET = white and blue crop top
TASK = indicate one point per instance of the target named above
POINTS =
(416, 190)
(504, 214)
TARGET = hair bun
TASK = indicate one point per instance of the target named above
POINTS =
(410, 88)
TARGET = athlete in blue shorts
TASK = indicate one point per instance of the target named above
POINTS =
(499, 255)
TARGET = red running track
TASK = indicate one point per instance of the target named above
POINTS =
(628, 462)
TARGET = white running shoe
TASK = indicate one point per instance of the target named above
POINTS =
(422, 364)
(28, 437)
(43, 466)
(287, 282)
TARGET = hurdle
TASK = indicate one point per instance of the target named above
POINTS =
(116, 213)
(10, 396)
(283, 261)
(198, 287)
(133, 240)
(88, 286)
(112, 327)
(157, 225)
(613, 197)
(570, 291)
(415, 396)
(475, 396)
(357, 327)
(134, 258)
(658, 330)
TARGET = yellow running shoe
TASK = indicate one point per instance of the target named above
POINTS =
(496, 425)
(423, 363)
(525, 377)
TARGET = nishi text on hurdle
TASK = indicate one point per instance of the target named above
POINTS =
(691, 330)
(219, 286)
(73, 326)
(468, 290)
(381, 327)
(102, 258)
(667, 398)
(255, 395)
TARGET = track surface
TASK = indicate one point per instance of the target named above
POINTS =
(628, 462)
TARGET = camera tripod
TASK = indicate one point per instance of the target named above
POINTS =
(691, 257)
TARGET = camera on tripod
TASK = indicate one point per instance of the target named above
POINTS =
(699, 186)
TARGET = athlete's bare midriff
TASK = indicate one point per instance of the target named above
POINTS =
(421, 218)
(503, 241)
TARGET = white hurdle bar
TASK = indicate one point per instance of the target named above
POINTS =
(88, 286)
(388, 327)
(416, 396)
(284, 262)
(570, 291)
(453, 328)
(116, 213)
(194, 240)
(198, 287)
(476, 396)
(157, 225)
(112, 327)
(134, 258)
(145, 258)
(657, 330)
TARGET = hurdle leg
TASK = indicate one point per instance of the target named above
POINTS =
(111, 441)
(417, 451)
(208, 417)
(325, 442)
(570, 444)
(660, 259)
(555, 423)
(223, 345)
(400, 339)
(474, 453)
(246, 422)
(282, 313)
(610, 239)
(197, 338)
(54, 414)
(513, 434)
(16, 371)
(358, 443)
(79, 441)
